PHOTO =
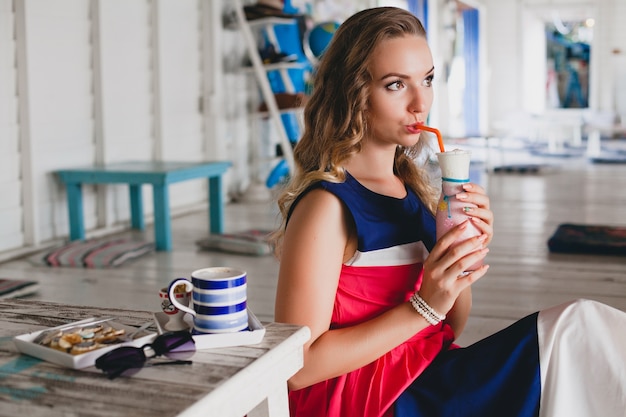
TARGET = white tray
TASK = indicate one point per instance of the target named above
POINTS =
(25, 344)
(216, 340)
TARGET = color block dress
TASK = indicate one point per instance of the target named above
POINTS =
(428, 375)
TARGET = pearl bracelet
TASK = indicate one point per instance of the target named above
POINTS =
(426, 311)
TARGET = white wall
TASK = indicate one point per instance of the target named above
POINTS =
(124, 82)
(616, 55)
(504, 51)
(10, 178)
(534, 72)
(441, 14)
(97, 81)
(515, 47)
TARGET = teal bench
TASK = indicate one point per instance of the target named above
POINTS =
(160, 175)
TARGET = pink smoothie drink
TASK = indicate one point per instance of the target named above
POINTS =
(450, 210)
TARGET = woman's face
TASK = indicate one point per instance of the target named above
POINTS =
(401, 90)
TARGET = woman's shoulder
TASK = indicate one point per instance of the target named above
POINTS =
(319, 189)
(317, 207)
(348, 186)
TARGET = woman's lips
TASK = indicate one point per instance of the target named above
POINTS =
(415, 128)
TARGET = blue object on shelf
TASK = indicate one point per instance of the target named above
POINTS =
(279, 172)
(317, 39)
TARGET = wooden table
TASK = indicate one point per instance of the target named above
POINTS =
(160, 175)
(221, 382)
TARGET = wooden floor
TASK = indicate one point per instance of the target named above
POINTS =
(523, 278)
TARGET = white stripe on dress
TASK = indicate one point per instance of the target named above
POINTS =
(407, 254)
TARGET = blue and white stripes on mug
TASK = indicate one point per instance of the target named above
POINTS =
(219, 297)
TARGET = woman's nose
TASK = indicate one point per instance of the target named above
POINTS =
(418, 102)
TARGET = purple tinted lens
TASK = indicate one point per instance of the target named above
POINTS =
(173, 342)
(121, 358)
(189, 346)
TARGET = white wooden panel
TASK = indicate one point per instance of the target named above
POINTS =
(63, 136)
(9, 167)
(180, 64)
(60, 82)
(126, 79)
(125, 73)
(9, 145)
(60, 69)
(10, 192)
(11, 221)
(179, 43)
(619, 59)
(184, 133)
(71, 9)
(8, 89)
(52, 213)
(11, 226)
(11, 211)
(135, 132)
(8, 102)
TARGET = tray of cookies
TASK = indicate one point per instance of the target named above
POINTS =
(77, 345)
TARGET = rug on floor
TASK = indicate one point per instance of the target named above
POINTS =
(13, 288)
(250, 242)
(588, 239)
(94, 253)
(608, 158)
(519, 168)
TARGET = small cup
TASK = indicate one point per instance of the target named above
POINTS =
(175, 316)
(455, 164)
(219, 298)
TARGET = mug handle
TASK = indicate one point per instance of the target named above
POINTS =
(173, 300)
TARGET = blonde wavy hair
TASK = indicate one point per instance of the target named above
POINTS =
(335, 117)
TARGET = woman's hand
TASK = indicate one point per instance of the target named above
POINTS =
(481, 215)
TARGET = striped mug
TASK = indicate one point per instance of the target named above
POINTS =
(218, 298)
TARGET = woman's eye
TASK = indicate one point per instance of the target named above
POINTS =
(428, 81)
(395, 86)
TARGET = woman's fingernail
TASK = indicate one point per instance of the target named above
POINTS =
(467, 186)
(461, 196)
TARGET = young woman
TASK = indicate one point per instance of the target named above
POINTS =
(384, 301)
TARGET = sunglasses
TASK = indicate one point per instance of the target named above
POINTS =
(116, 362)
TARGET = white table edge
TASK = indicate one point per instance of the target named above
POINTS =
(222, 398)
